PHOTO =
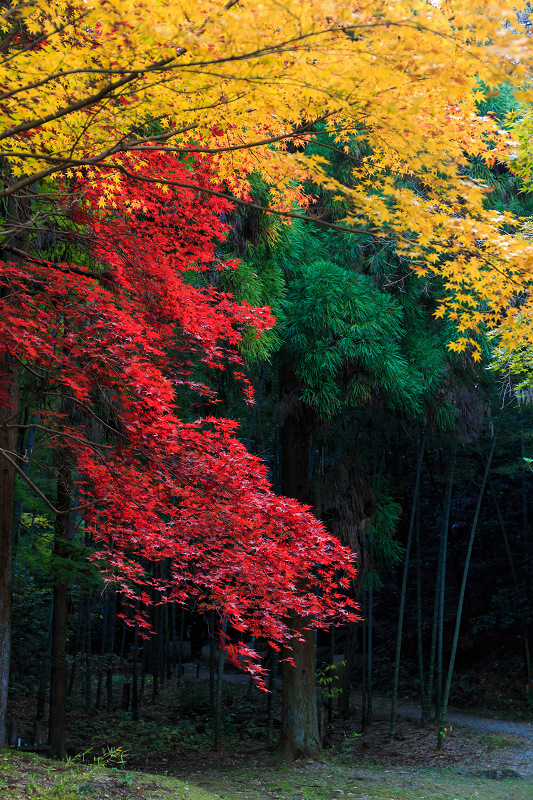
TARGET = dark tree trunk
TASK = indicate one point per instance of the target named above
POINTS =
(9, 374)
(88, 656)
(111, 628)
(343, 706)
(103, 645)
(299, 736)
(299, 731)
(212, 658)
(17, 210)
(77, 644)
(218, 698)
(135, 691)
(58, 673)
(180, 652)
(45, 671)
(271, 698)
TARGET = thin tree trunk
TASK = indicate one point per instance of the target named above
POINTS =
(61, 571)
(369, 645)
(135, 689)
(111, 629)
(174, 642)
(445, 532)
(27, 449)
(8, 443)
(525, 523)
(143, 673)
(525, 531)
(271, 701)
(180, 651)
(423, 701)
(155, 654)
(77, 644)
(364, 663)
(161, 645)
(437, 633)
(334, 679)
(17, 209)
(103, 645)
(45, 670)
(220, 686)
(527, 656)
(442, 718)
(212, 665)
(396, 678)
(88, 656)
(165, 629)
(343, 706)
(123, 646)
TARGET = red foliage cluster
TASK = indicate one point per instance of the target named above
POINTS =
(123, 346)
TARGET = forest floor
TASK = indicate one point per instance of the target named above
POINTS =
(168, 754)
(24, 776)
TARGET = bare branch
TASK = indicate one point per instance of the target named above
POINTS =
(31, 484)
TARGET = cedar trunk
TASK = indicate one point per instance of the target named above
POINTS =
(300, 737)
(299, 722)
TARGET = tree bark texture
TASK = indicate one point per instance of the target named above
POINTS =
(300, 736)
(299, 722)
(58, 672)
(9, 373)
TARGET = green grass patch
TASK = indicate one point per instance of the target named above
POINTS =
(24, 776)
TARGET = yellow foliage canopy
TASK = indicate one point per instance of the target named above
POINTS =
(240, 79)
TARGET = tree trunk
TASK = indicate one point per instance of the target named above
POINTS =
(299, 722)
(135, 690)
(111, 629)
(17, 209)
(45, 671)
(88, 655)
(396, 678)
(180, 651)
(9, 374)
(220, 686)
(423, 701)
(438, 583)
(364, 663)
(271, 699)
(212, 665)
(299, 731)
(527, 656)
(103, 645)
(77, 644)
(343, 706)
(58, 673)
(442, 587)
(442, 717)
(369, 654)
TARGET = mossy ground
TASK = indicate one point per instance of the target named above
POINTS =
(168, 754)
(25, 776)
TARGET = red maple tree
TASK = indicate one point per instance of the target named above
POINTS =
(123, 339)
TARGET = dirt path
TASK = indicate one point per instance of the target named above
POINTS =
(523, 730)
(506, 751)
(510, 750)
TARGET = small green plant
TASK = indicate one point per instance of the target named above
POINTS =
(349, 743)
(327, 679)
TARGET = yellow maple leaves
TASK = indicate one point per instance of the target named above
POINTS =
(85, 80)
